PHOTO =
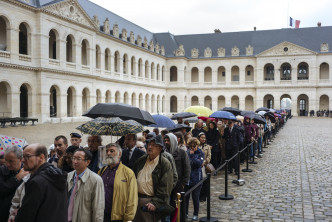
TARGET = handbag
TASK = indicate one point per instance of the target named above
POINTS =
(209, 168)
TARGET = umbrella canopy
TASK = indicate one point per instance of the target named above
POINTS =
(258, 119)
(9, 141)
(235, 111)
(178, 127)
(191, 119)
(162, 121)
(271, 110)
(270, 115)
(223, 115)
(183, 115)
(123, 111)
(102, 126)
(206, 118)
(199, 110)
(247, 113)
(262, 109)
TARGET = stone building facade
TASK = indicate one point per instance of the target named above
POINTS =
(58, 58)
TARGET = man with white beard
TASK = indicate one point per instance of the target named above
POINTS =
(121, 195)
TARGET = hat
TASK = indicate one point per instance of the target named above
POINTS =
(71, 149)
(151, 134)
(75, 135)
(157, 139)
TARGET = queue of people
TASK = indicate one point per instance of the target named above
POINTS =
(139, 182)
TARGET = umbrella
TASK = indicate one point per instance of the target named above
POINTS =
(191, 119)
(271, 110)
(222, 115)
(199, 110)
(270, 115)
(110, 126)
(235, 111)
(258, 119)
(247, 113)
(206, 118)
(9, 141)
(178, 127)
(162, 121)
(123, 111)
(262, 109)
(183, 115)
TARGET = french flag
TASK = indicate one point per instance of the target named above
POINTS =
(293, 22)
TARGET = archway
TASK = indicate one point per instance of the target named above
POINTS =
(85, 99)
(194, 74)
(108, 96)
(133, 99)
(268, 101)
(5, 99)
(302, 105)
(117, 97)
(221, 102)
(208, 75)
(194, 101)
(235, 102)
(173, 74)
(249, 103)
(24, 101)
(126, 98)
(324, 102)
(54, 101)
(286, 102)
(174, 104)
(98, 94)
(208, 102)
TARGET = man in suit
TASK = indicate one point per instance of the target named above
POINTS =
(131, 154)
(233, 140)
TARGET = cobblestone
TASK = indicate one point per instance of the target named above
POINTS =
(292, 182)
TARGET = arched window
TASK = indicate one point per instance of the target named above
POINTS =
(98, 55)
(324, 71)
(85, 52)
(173, 74)
(52, 45)
(116, 61)
(268, 72)
(221, 74)
(147, 68)
(194, 101)
(140, 68)
(208, 102)
(23, 39)
(153, 71)
(286, 72)
(133, 66)
(235, 73)
(174, 104)
(85, 99)
(125, 64)
(163, 73)
(249, 73)
(3, 34)
(70, 50)
(107, 59)
(158, 72)
(208, 75)
(302, 71)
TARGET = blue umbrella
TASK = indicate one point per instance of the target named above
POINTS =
(223, 115)
(162, 121)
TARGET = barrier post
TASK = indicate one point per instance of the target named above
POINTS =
(239, 181)
(183, 207)
(248, 154)
(226, 196)
(208, 217)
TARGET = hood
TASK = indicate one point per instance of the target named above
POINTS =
(245, 120)
(56, 176)
(174, 142)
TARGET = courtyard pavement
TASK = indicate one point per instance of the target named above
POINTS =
(292, 182)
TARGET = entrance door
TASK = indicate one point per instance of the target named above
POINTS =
(23, 101)
(303, 107)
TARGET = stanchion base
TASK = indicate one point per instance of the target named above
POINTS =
(239, 182)
(253, 162)
(228, 197)
(205, 219)
(247, 170)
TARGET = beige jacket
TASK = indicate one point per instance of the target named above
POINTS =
(89, 201)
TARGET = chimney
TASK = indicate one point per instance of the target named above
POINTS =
(217, 31)
(255, 28)
(319, 24)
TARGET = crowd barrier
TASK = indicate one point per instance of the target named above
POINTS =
(181, 203)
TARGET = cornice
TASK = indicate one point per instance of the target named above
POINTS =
(21, 4)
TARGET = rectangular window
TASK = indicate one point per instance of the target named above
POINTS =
(248, 73)
(223, 73)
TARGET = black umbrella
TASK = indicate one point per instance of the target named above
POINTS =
(258, 119)
(123, 111)
(183, 115)
(247, 113)
(235, 111)
(178, 127)
(262, 109)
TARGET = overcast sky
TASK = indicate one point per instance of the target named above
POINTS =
(203, 16)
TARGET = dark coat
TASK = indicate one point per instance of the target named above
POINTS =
(248, 131)
(234, 139)
(196, 161)
(212, 139)
(45, 196)
(8, 186)
(196, 131)
(93, 166)
(162, 178)
(135, 156)
(182, 166)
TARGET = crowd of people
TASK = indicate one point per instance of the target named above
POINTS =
(141, 177)
(321, 113)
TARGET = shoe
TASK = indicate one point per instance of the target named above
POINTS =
(255, 157)
(195, 218)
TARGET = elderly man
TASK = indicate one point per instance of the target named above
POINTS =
(11, 175)
(120, 187)
(75, 139)
(45, 192)
(155, 182)
(60, 146)
(198, 129)
(86, 190)
(131, 154)
(93, 143)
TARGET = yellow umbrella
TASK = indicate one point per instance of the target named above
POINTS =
(199, 110)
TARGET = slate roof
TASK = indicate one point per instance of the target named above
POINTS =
(310, 38)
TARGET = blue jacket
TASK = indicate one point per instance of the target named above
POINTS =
(196, 162)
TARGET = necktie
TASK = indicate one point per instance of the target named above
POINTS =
(71, 201)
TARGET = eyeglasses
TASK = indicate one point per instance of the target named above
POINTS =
(27, 157)
(77, 158)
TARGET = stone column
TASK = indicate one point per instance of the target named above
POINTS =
(228, 76)
(214, 77)
(13, 44)
(294, 107)
(62, 110)
(294, 75)
(242, 76)
(79, 108)
(15, 103)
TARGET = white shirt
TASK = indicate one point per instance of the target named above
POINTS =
(131, 152)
